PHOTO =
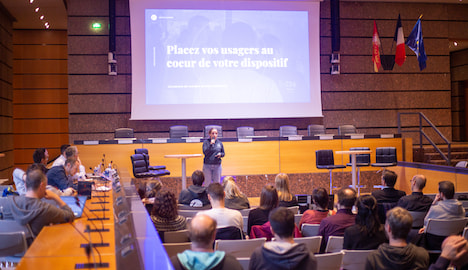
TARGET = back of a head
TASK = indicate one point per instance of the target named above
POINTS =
(38, 155)
(282, 222)
(320, 197)
(346, 197)
(165, 204)
(37, 166)
(202, 229)
(420, 181)
(268, 198)
(63, 147)
(400, 222)
(230, 188)
(447, 188)
(34, 178)
(282, 186)
(390, 178)
(71, 151)
(367, 215)
(216, 191)
(198, 178)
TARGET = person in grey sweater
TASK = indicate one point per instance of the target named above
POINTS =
(30, 209)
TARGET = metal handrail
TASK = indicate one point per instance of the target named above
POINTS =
(422, 133)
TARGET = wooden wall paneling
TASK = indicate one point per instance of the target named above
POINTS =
(29, 81)
(23, 157)
(28, 37)
(55, 96)
(34, 141)
(36, 111)
(39, 51)
(39, 67)
(35, 126)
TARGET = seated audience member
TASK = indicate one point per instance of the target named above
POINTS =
(30, 209)
(19, 176)
(202, 232)
(320, 199)
(335, 225)
(195, 195)
(62, 158)
(388, 194)
(234, 198)
(282, 253)
(417, 201)
(41, 156)
(225, 217)
(58, 176)
(268, 202)
(367, 233)
(285, 197)
(444, 207)
(398, 254)
(454, 252)
(164, 214)
(72, 152)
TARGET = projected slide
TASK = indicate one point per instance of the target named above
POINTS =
(226, 56)
(230, 59)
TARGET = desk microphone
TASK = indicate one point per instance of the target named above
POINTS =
(88, 253)
(89, 230)
(77, 201)
(103, 209)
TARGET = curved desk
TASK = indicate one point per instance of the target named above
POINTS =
(183, 158)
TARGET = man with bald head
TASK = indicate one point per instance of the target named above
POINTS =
(344, 218)
(202, 232)
(417, 201)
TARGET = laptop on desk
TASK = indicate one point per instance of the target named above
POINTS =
(76, 204)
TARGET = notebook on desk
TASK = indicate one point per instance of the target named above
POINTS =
(76, 204)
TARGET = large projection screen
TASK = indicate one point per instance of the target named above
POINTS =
(211, 59)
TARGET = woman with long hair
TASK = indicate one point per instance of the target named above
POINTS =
(368, 232)
(164, 214)
(268, 202)
(234, 198)
(286, 199)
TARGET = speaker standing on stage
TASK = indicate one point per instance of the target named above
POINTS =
(213, 150)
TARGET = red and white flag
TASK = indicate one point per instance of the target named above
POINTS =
(400, 54)
(376, 49)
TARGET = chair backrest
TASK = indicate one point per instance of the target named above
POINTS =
(418, 218)
(244, 262)
(239, 248)
(245, 212)
(12, 243)
(139, 164)
(312, 242)
(383, 208)
(188, 213)
(245, 131)
(385, 155)
(297, 219)
(315, 129)
(324, 158)
(446, 227)
(346, 129)
(123, 133)
(355, 259)
(10, 225)
(141, 151)
(329, 261)
(462, 164)
(176, 236)
(288, 130)
(209, 127)
(245, 219)
(229, 233)
(177, 132)
(465, 233)
(334, 244)
(173, 248)
(310, 229)
(361, 158)
(18, 179)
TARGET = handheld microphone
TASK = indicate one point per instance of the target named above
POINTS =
(88, 252)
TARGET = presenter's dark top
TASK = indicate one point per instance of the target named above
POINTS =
(211, 150)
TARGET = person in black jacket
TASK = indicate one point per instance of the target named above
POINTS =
(213, 150)
(282, 253)
(195, 195)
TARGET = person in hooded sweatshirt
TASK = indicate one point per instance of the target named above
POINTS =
(30, 209)
(201, 256)
(282, 253)
(195, 195)
(397, 253)
(445, 207)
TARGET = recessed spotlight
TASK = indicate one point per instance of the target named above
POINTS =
(31, 1)
(37, 9)
(455, 43)
(42, 17)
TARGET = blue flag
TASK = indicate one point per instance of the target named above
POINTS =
(415, 43)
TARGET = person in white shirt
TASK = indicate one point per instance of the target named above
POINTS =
(224, 217)
(61, 159)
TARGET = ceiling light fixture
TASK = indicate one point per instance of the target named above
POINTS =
(31, 1)
(37, 9)
(42, 17)
(455, 43)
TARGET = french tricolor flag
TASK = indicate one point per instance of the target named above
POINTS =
(400, 55)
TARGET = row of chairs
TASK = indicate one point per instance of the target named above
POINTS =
(181, 131)
(14, 241)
